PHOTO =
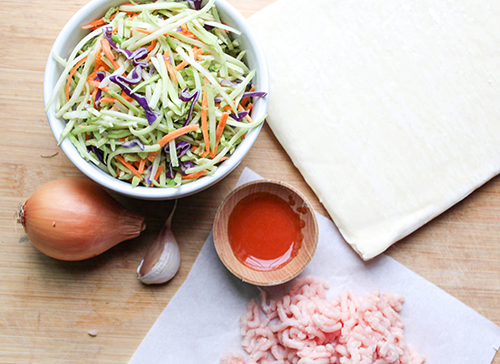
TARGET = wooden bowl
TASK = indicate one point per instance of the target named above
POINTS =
(309, 231)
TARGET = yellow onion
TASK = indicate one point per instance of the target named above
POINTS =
(75, 219)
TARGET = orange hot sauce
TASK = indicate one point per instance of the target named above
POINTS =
(264, 231)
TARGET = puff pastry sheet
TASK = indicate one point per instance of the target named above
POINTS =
(389, 109)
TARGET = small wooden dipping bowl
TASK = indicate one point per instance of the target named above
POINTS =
(296, 265)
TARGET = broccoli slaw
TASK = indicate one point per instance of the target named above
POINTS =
(157, 93)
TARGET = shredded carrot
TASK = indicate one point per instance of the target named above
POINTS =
(204, 111)
(97, 83)
(107, 100)
(183, 64)
(188, 34)
(249, 119)
(142, 164)
(185, 32)
(93, 83)
(218, 134)
(160, 169)
(177, 133)
(107, 51)
(126, 97)
(94, 24)
(145, 31)
(94, 94)
(223, 159)
(249, 107)
(128, 165)
(171, 136)
(117, 171)
(99, 63)
(152, 45)
(71, 73)
(197, 150)
(195, 175)
(91, 80)
(122, 139)
(92, 76)
(131, 15)
(141, 30)
(228, 108)
(115, 31)
(169, 68)
(245, 100)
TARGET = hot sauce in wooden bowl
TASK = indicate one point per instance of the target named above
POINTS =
(265, 232)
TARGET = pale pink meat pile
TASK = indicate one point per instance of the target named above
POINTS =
(304, 328)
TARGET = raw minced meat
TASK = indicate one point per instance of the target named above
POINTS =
(304, 328)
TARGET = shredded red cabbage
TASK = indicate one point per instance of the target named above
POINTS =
(100, 75)
(194, 4)
(254, 94)
(147, 177)
(122, 81)
(181, 147)
(186, 97)
(240, 115)
(109, 36)
(228, 83)
(170, 172)
(135, 56)
(185, 166)
(135, 76)
(133, 143)
(98, 153)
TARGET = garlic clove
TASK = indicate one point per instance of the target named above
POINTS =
(163, 258)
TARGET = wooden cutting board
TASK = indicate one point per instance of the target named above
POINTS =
(47, 307)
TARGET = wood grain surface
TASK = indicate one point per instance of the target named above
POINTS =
(47, 307)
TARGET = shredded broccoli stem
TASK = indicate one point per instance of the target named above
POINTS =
(117, 106)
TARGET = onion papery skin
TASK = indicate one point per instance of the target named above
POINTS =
(76, 219)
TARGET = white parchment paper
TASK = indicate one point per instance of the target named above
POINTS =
(201, 323)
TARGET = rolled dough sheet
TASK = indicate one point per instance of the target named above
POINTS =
(390, 109)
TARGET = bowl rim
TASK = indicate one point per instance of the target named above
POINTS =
(154, 193)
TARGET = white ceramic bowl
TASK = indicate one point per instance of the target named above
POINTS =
(72, 33)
